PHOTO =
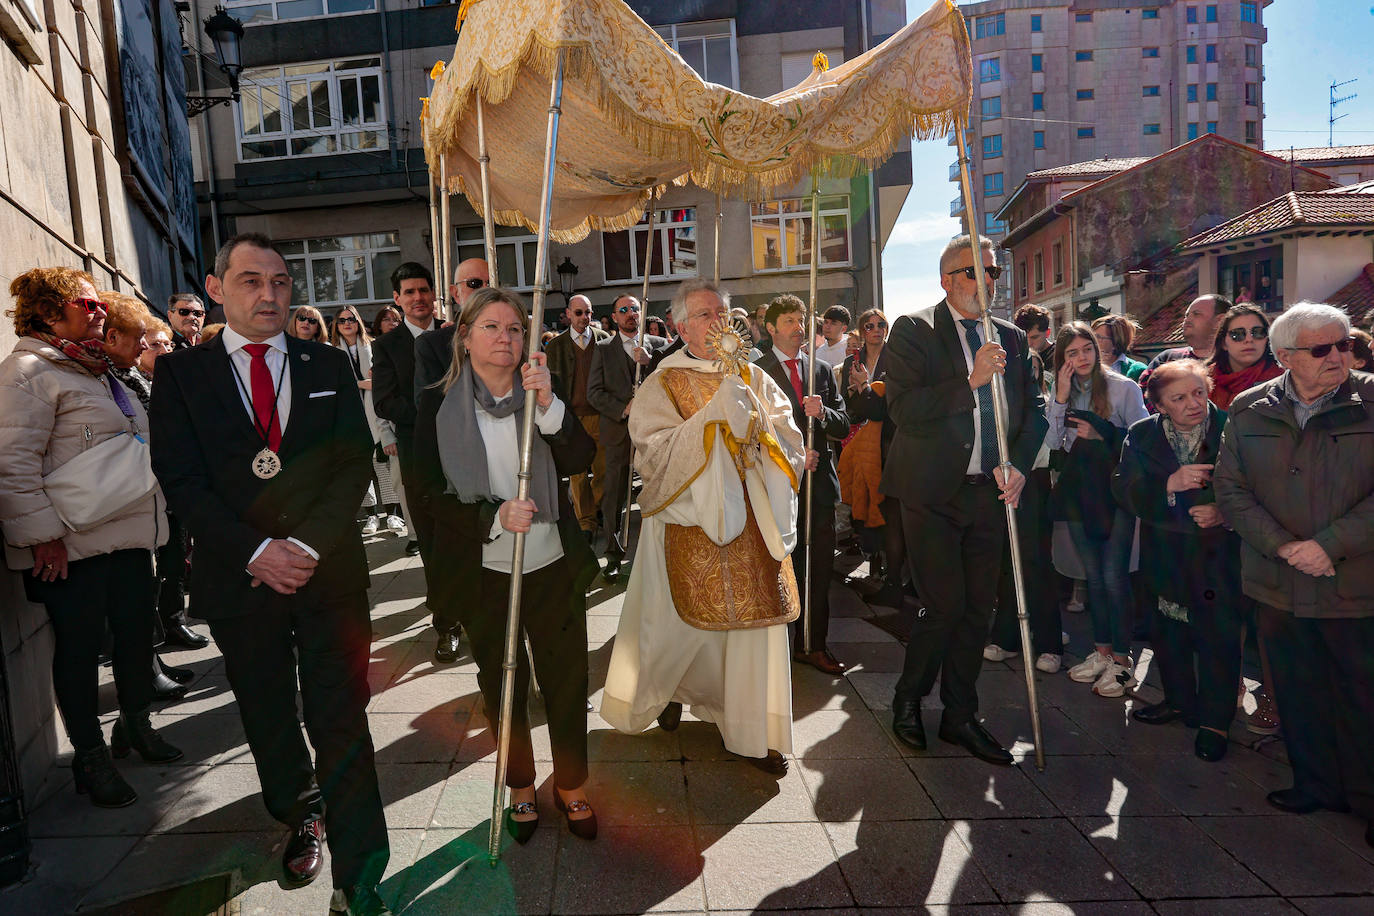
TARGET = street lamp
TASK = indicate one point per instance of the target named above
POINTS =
(226, 32)
(567, 279)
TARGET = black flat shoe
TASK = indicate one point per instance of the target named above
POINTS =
(1158, 714)
(1296, 801)
(584, 827)
(907, 724)
(975, 739)
(671, 717)
(522, 831)
(1209, 745)
(612, 571)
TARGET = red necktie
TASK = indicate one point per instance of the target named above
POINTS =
(796, 378)
(264, 395)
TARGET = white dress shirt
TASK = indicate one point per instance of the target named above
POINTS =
(832, 354)
(583, 340)
(975, 458)
(502, 439)
(629, 343)
(241, 361)
(415, 330)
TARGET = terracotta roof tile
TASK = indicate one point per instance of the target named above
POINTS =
(1164, 328)
(1097, 167)
(1357, 297)
(1293, 210)
(1323, 153)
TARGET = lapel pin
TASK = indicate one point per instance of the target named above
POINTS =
(305, 357)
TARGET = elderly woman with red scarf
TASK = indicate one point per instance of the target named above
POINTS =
(1241, 356)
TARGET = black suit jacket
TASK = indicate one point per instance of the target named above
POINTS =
(833, 422)
(203, 442)
(562, 356)
(933, 409)
(393, 379)
(666, 352)
(433, 356)
(611, 380)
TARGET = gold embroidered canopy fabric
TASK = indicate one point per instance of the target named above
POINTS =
(635, 117)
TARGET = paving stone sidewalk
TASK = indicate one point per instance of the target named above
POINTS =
(1124, 819)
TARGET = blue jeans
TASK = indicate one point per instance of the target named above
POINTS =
(1106, 563)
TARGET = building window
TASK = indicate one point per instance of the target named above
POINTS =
(1211, 56)
(990, 70)
(1211, 127)
(1190, 54)
(1252, 55)
(991, 109)
(1149, 14)
(1021, 277)
(1085, 133)
(1211, 92)
(1149, 52)
(312, 109)
(1035, 22)
(346, 269)
(708, 47)
(1037, 101)
(1190, 15)
(992, 146)
(517, 253)
(1149, 92)
(250, 12)
(1211, 12)
(1037, 63)
(1151, 130)
(1252, 93)
(1192, 92)
(1249, 11)
(1082, 17)
(781, 231)
(675, 248)
(1081, 56)
(1038, 139)
(1192, 130)
(992, 184)
(988, 26)
(1039, 272)
(1085, 95)
(992, 225)
(1252, 132)
(1057, 262)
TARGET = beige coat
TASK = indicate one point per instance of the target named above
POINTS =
(51, 410)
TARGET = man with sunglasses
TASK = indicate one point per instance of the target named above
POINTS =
(1295, 479)
(186, 315)
(611, 381)
(570, 362)
(943, 467)
(434, 350)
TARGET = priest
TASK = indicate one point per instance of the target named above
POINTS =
(705, 617)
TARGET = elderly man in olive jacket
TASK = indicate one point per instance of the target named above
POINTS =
(1295, 479)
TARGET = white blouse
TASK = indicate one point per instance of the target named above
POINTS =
(502, 439)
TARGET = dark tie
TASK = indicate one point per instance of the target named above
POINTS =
(264, 395)
(796, 378)
(987, 424)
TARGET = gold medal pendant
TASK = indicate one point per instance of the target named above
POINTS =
(266, 464)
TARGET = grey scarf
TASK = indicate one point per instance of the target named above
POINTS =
(1185, 443)
(463, 454)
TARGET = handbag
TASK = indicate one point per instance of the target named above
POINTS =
(101, 482)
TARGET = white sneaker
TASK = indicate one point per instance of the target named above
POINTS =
(995, 653)
(396, 526)
(1115, 681)
(1091, 668)
(1063, 637)
(370, 526)
(1048, 662)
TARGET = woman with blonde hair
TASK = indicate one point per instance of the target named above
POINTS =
(468, 451)
(1115, 335)
(307, 323)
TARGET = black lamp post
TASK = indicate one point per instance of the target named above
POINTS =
(226, 32)
(567, 279)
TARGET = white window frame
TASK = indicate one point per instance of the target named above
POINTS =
(368, 252)
(264, 83)
(669, 33)
(663, 225)
(231, 5)
(470, 248)
(803, 212)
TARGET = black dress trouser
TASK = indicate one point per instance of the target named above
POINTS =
(329, 643)
(822, 547)
(172, 564)
(955, 551)
(1035, 530)
(1212, 633)
(421, 519)
(115, 587)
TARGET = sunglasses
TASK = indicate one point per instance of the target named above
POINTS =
(627, 308)
(306, 319)
(187, 313)
(1321, 350)
(578, 313)
(90, 305)
(875, 325)
(993, 271)
(474, 283)
(1256, 333)
(345, 319)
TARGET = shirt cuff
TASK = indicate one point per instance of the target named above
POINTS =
(314, 555)
(263, 546)
(550, 421)
(496, 529)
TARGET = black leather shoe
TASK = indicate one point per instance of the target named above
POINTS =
(1296, 801)
(412, 548)
(773, 763)
(1209, 745)
(304, 855)
(176, 672)
(975, 739)
(907, 724)
(136, 733)
(671, 717)
(357, 901)
(184, 637)
(1159, 714)
(612, 570)
(164, 688)
(446, 650)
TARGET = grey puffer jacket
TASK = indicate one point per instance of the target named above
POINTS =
(51, 410)
(1276, 483)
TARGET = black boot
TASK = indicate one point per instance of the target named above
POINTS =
(96, 776)
(136, 733)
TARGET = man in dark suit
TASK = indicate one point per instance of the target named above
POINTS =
(784, 361)
(434, 351)
(260, 443)
(570, 362)
(943, 468)
(610, 389)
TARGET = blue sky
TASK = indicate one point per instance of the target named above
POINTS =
(1304, 53)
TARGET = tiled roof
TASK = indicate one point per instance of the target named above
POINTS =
(1090, 168)
(1363, 187)
(1164, 328)
(1292, 210)
(1357, 297)
(1323, 153)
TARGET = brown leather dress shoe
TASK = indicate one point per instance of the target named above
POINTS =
(304, 855)
(822, 661)
(773, 763)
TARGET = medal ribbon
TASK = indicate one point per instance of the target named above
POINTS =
(264, 395)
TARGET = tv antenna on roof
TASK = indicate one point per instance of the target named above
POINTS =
(1332, 116)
